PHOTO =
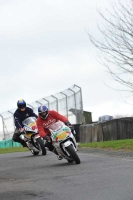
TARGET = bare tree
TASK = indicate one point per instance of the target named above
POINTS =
(116, 47)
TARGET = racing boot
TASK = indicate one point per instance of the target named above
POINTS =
(58, 156)
(24, 143)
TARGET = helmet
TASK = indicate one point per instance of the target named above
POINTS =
(43, 112)
(21, 104)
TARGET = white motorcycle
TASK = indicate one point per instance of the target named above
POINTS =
(64, 142)
(31, 137)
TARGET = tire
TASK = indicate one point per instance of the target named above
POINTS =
(73, 154)
(70, 161)
(41, 143)
(35, 153)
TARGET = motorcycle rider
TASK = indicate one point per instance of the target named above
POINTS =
(21, 113)
(45, 119)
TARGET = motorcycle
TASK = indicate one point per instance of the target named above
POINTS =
(64, 142)
(31, 137)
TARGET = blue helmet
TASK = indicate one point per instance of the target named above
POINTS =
(21, 104)
(43, 112)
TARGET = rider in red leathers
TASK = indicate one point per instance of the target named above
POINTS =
(45, 119)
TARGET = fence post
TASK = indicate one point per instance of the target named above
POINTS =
(39, 103)
(13, 119)
(13, 124)
(80, 97)
(30, 105)
(66, 103)
(47, 101)
(75, 103)
(56, 101)
(3, 127)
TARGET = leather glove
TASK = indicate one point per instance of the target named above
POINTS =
(68, 124)
(21, 130)
(47, 138)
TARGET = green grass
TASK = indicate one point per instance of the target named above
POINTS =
(126, 145)
(13, 149)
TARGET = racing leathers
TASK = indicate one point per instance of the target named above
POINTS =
(43, 125)
(19, 117)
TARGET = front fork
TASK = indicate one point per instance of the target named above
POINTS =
(34, 141)
(66, 144)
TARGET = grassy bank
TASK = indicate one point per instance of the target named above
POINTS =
(12, 150)
(126, 145)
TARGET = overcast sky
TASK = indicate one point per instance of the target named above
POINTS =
(44, 49)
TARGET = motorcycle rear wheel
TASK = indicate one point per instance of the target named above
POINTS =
(73, 154)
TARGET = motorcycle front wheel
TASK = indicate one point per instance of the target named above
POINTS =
(70, 161)
(42, 146)
(73, 154)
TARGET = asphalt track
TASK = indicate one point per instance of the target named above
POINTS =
(102, 175)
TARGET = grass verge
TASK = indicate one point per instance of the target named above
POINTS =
(13, 149)
(126, 145)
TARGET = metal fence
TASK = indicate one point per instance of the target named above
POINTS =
(68, 103)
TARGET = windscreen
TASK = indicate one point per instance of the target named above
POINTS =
(56, 126)
(29, 120)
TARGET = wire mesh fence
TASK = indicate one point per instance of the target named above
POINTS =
(68, 103)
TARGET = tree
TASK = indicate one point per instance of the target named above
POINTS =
(116, 47)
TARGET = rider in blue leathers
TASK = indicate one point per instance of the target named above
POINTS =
(21, 113)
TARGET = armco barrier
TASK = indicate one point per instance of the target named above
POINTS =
(116, 129)
(9, 144)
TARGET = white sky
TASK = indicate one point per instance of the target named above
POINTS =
(44, 49)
